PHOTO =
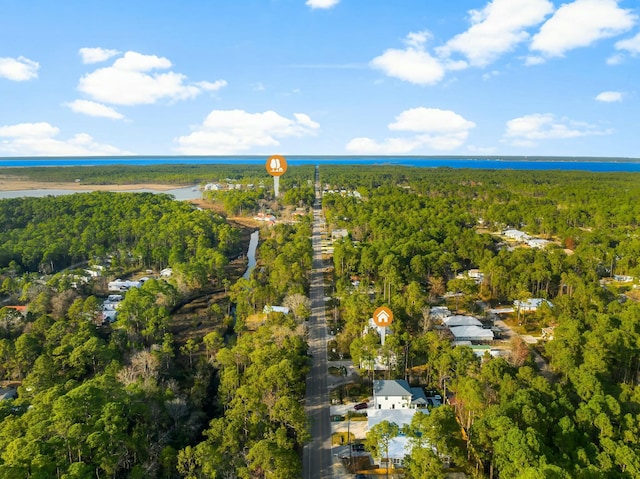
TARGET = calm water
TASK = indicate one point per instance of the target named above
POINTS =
(251, 254)
(517, 163)
(178, 193)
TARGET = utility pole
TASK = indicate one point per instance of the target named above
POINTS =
(349, 439)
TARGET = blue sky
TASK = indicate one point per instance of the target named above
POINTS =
(320, 77)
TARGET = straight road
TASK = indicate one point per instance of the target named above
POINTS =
(317, 459)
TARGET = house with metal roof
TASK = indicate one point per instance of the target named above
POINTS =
(459, 320)
(471, 333)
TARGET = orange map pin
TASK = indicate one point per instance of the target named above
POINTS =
(382, 316)
(276, 165)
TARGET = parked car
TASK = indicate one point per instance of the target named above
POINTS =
(359, 406)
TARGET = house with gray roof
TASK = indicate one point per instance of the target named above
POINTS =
(397, 394)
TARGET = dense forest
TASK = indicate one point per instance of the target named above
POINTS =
(218, 392)
(148, 396)
(150, 230)
(412, 231)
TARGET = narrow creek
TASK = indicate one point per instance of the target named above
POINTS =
(251, 253)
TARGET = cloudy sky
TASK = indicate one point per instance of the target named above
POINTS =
(320, 77)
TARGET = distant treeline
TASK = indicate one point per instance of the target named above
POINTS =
(178, 174)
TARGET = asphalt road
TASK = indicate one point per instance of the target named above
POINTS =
(317, 459)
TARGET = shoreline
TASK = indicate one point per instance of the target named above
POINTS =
(7, 184)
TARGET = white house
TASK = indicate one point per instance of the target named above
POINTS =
(119, 285)
(166, 272)
(471, 333)
(537, 243)
(269, 218)
(459, 320)
(339, 234)
(516, 235)
(372, 325)
(623, 278)
(531, 304)
(395, 401)
(110, 307)
(439, 312)
(399, 446)
(397, 394)
(474, 274)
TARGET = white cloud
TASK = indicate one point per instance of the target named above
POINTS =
(489, 75)
(38, 139)
(322, 3)
(91, 108)
(226, 132)
(28, 130)
(418, 39)
(132, 81)
(431, 120)
(437, 129)
(211, 86)
(18, 69)
(496, 29)
(631, 45)
(138, 62)
(390, 146)
(529, 129)
(616, 59)
(413, 64)
(306, 121)
(581, 23)
(534, 60)
(609, 96)
(96, 55)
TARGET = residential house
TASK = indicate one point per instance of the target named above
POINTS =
(531, 304)
(268, 218)
(474, 274)
(538, 243)
(516, 235)
(120, 285)
(460, 320)
(339, 234)
(395, 401)
(110, 306)
(623, 278)
(397, 394)
(471, 333)
(21, 309)
(439, 312)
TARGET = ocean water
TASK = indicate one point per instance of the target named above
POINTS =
(513, 163)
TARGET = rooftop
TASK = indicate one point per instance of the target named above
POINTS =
(397, 387)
